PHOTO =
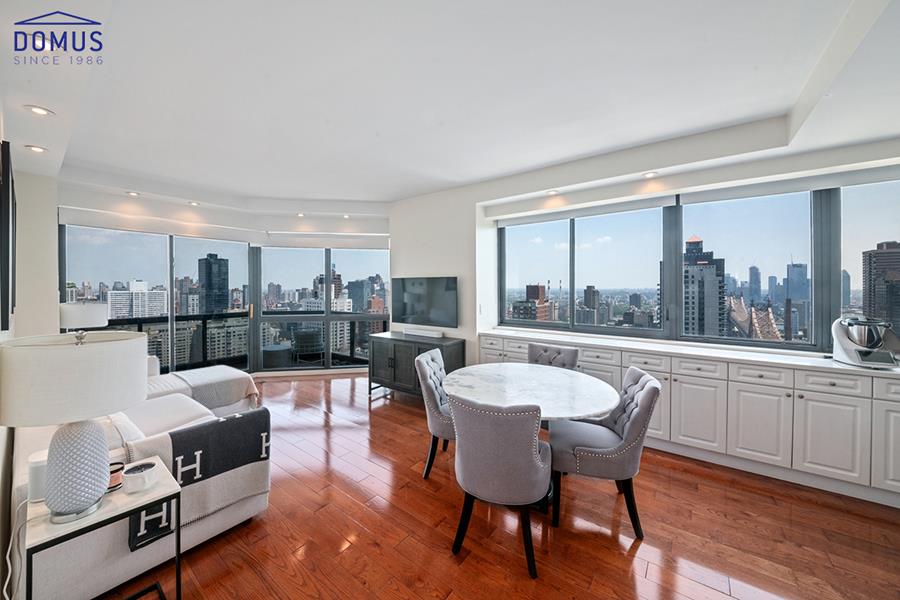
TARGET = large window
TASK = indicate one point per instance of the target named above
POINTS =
(361, 277)
(537, 273)
(617, 269)
(293, 280)
(747, 269)
(870, 251)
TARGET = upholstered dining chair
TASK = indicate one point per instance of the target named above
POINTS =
(430, 369)
(554, 356)
(609, 448)
(500, 460)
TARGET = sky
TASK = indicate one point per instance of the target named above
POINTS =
(623, 250)
(108, 255)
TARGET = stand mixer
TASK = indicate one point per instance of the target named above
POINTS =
(869, 343)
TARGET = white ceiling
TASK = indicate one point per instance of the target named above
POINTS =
(377, 101)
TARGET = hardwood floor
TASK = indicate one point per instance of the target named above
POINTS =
(351, 517)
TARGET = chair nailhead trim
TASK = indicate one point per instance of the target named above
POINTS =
(620, 452)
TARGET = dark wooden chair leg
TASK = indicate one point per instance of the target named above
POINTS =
(628, 490)
(525, 522)
(444, 445)
(557, 496)
(464, 518)
(431, 452)
(619, 486)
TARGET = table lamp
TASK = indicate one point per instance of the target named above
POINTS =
(82, 315)
(68, 380)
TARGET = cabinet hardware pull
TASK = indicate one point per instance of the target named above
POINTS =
(800, 396)
(760, 375)
(674, 379)
(832, 383)
(788, 394)
(699, 368)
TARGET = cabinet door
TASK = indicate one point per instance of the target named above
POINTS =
(611, 375)
(886, 445)
(699, 408)
(404, 362)
(381, 355)
(832, 436)
(661, 418)
(760, 422)
(491, 356)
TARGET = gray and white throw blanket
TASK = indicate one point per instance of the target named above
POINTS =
(217, 463)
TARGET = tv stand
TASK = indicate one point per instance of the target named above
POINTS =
(392, 359)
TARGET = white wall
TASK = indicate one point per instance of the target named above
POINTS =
(37, 282)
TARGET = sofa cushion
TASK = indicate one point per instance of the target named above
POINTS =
(163, 385)
(166, 413)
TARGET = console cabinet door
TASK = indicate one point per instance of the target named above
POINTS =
(886, 445)
(491, 356)
(832, 436)
(382, 353)
(405, 365)
(760, 423)
(699, 408)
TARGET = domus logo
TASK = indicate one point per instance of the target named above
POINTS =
(57, 38)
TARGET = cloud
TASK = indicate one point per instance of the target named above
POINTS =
(561, 246)
(603, 239)
(536, 240)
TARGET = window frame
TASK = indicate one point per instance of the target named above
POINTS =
(825, 265)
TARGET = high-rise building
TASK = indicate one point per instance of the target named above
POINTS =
(337, 285)
(591, 297)
(881, 282)
(754, 285)
(635, 300)
(536, 292)
(213, 282)
(774, 290)
(705, 310)
(137, 302)
(731, 285)
(359, 292)
(845, 288)
(797, 282)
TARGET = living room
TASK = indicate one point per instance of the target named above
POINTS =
(450, 300)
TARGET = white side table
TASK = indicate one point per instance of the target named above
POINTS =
(41, 534)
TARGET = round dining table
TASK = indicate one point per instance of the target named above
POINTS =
(560, 393)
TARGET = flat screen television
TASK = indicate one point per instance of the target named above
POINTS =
(425, 301)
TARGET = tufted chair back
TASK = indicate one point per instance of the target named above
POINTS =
(499, 457)
(637, 399)
(554, 356)
(430, 369)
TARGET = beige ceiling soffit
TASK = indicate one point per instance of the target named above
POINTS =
(84, 178)
(846, 158)
(762, 134)
(850, 32)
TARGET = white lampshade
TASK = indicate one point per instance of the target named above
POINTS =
(82, 315)
(49, 380)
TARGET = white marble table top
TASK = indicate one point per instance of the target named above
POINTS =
(561, 393)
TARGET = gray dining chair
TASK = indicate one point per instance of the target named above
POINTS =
(430, 369)
(609, 448)
(554, 356)
(500, 460)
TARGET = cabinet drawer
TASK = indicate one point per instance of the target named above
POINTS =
(516, 346)
(491, 342)
(518, 357)
(833, 383)
(761, 375)
(603, 357)
(887, 389)
(701, 368)
(651, 362)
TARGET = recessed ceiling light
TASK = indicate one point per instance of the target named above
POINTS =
(552, 192)
(39, 110)
(346, 216)
(37, 149)
(133, 194)
(650, 174)
(194, 203)
(299, 214)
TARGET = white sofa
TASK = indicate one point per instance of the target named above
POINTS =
(92, 564)
(224, 390)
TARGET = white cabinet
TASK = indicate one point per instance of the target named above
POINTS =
(832, 436)
(760, 423)
(661, 419)
(886, 445)
(833, 383)
(701, 368)
(491, 356)
(600, 355)
(761, 375)
(887, 389)
(516, 357)
(646, 362)
(611, 375)
(699, 408)
(491, 342)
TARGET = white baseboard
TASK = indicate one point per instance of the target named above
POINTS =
(808, 479)
(273, 375)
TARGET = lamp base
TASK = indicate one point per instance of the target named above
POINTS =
(69, 517)
(77, 470)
